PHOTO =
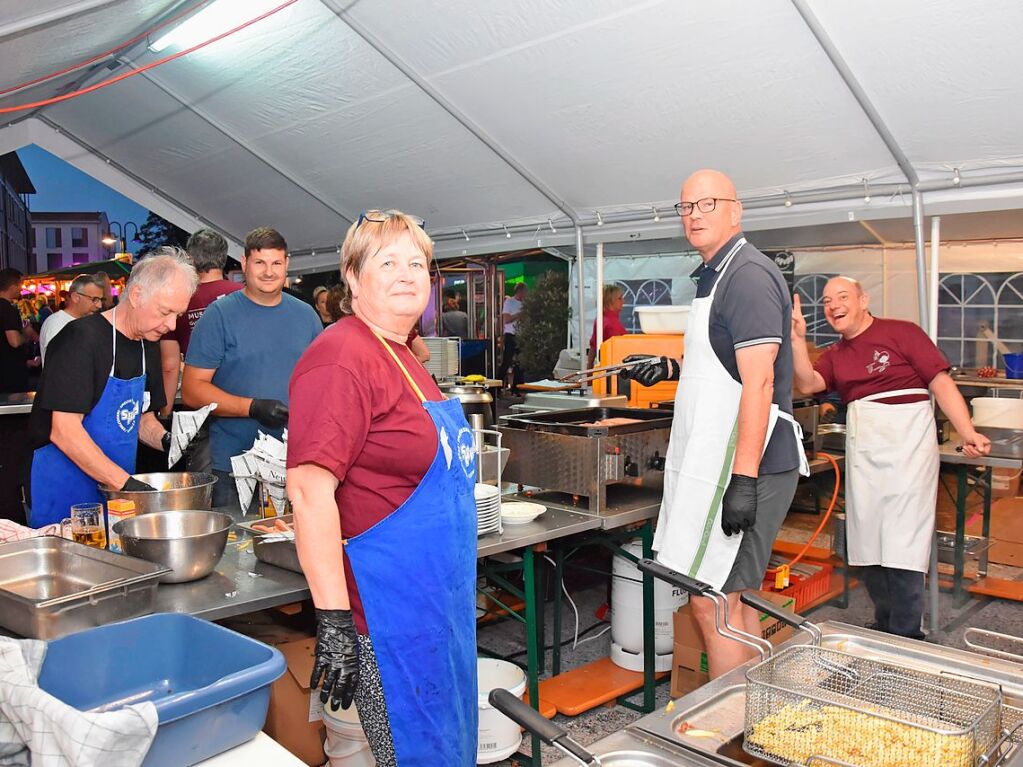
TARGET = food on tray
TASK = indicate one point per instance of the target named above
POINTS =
(987, 372)
(278, 526)
(797, 732)
(612, 422)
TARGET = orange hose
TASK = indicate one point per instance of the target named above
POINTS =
(827, 514)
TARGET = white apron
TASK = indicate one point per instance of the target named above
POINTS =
(701, 452)
(891, 484)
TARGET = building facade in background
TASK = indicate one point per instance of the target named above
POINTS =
(15, 229)
(61, 240)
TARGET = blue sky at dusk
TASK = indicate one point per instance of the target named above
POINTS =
(62, 187)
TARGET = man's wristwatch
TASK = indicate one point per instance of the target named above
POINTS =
(165, 441)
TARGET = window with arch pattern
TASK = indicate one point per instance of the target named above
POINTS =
(810, 288)
(976, 309)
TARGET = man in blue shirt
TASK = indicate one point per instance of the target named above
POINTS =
(241, 355)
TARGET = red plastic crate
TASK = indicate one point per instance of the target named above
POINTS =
(807, 583)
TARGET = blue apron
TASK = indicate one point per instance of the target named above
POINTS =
(113, 424)
(416, 574)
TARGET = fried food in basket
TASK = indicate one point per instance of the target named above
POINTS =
(798, 732)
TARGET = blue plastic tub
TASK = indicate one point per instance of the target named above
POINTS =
(210, 685)
(1013, 365)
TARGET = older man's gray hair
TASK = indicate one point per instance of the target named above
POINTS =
(153, 272)
(80, 282)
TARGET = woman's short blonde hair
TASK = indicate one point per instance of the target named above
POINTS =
(375, 230)
(611, 293)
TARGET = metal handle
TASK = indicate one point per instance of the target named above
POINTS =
(528, 717)
(675, 578)
(985, 760)
(785, 616)
(993, 652)
(117, 583)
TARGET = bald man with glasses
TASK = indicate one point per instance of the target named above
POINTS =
(85, 297)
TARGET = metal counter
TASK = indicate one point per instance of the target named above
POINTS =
(17, 404)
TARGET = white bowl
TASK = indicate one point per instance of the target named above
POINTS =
(520, 512)
(662, 319)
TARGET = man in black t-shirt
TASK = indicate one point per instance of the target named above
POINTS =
(13, 356)
(101, 387)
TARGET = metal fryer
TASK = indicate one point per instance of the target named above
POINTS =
(583, 452)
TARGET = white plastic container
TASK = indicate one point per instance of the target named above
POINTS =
(662, 319)
(999, 412)
(499, 736)
(627, 614)
(346, 744)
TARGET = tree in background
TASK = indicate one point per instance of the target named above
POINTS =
(158, 231)
(543, 327)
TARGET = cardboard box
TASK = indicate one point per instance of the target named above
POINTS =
(689, 668)
(1006, 531)
(293, 719)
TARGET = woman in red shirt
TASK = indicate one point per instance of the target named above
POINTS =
(614, 302)
(381, 472)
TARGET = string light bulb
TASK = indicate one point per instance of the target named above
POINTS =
(956, 178)
(657, 216)
(465, 235)
(600, 219)
(788, 199)
(507, 234)
(866, 191)
(550, 223)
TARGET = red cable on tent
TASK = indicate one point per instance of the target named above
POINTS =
(147, 67)
(103, 55)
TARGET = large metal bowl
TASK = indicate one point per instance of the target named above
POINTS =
(174, 490)
(189, 542)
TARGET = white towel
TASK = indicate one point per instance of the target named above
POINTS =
(37, 729)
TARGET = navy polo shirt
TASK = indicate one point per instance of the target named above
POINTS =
(752, 306)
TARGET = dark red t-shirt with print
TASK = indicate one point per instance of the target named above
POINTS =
(353, 412)
(888, 356)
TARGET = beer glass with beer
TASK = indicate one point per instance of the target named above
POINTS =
(87, 524)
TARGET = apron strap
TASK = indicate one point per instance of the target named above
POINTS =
(896, 393)
(113, 337)
(804, 464)
(725, 264)
(404, 370)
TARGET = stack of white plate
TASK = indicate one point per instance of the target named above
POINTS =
(488, 508)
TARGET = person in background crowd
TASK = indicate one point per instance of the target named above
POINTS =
(241, 355)
(62, 299)
(380, 472)
(418, 346)
(44, 312)
(108, 291)
(511, 311)
(333, 302)
(735, 452)
(454, 320)
(208, 251)
(99, 395)
(613, 302)
(320, 296)
(85, 297)
(14, 353)
(885, 371)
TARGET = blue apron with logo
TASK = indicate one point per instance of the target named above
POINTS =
(113, 424)
(416, 574)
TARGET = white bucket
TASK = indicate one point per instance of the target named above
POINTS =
(627, 611)
(499, 736)
(346, 744)
(999, 412)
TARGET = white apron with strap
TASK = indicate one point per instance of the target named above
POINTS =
(701, 452)
(891, 481)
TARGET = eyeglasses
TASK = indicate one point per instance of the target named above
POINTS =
(94, 299)
(382, 216)
(706, 205)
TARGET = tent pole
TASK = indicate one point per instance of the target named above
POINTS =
(600, 295)
(921, 266)
(932, 325)
(582, 296)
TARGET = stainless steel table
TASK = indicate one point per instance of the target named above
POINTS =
(19, 403)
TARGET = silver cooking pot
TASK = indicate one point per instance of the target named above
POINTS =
(475, 399)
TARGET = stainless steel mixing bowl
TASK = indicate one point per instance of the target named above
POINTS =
(189, 542)
(174, 490)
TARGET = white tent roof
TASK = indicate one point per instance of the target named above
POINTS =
(481, 114)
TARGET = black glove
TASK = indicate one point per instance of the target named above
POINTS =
(165, 441)
(137, 486)
(739, 506)
(650, 373)
(337, 657)
(272, 413)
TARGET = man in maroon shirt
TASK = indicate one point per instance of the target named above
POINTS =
(208, 251)
(886, 371)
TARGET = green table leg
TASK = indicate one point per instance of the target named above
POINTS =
(559, 574)
(958, 594)
(532, 650)
(649, 658)
(541, 599)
